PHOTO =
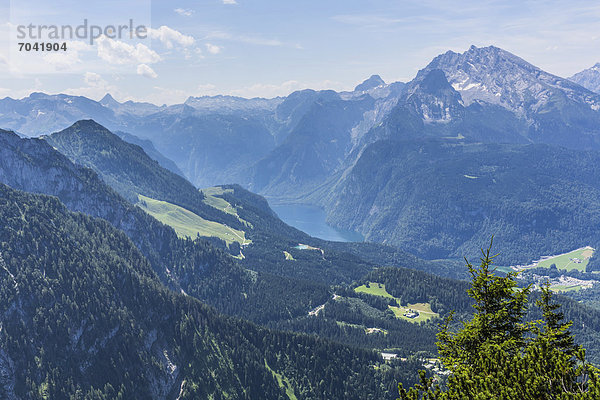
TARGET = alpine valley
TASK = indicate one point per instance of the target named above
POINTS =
(140, 257)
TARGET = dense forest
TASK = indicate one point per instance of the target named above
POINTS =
(85, 316)
(194, 266)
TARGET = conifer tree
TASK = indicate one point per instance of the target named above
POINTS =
(497, 355)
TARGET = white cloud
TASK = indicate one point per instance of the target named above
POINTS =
(229, 2)
(169, 36)
(118, 52)
(78, 45)
(61, 61)
(146, 71)
(64, 61)
(184, 12)
(256, 40)
(213, 49)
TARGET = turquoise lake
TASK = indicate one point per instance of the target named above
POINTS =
(311, 219)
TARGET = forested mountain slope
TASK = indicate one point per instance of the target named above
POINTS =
(264, 287)
(445, 198)
(127, 168)
(84, 315)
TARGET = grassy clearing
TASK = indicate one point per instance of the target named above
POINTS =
(371, 331)
(368, 331)
(424, 310)
(283, 383)
(378, 289)
(288, 256)
(212, 199)
(565, 288)
(188, 224)
(575, 260)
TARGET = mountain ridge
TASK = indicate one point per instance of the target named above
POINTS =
(307, 146)
(588, 78)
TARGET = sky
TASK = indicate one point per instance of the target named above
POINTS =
(268, 48)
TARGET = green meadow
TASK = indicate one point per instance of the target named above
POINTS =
(188, 224)
(213, 199)
(574, 260)
(424, 309)
(378, 289)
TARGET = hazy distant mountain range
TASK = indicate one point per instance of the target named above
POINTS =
(307, 146)
(211, 139)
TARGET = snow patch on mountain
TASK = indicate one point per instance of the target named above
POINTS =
(498, 77)
(232, 104)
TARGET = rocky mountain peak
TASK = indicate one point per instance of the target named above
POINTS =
(109, 101)
(588, 78)
(435, 81)
(88, 125)
(371, 83)
(496, 76)
(38, 96)
(433, 98)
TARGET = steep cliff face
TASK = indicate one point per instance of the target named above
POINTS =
(433, 99)
(315, 148)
